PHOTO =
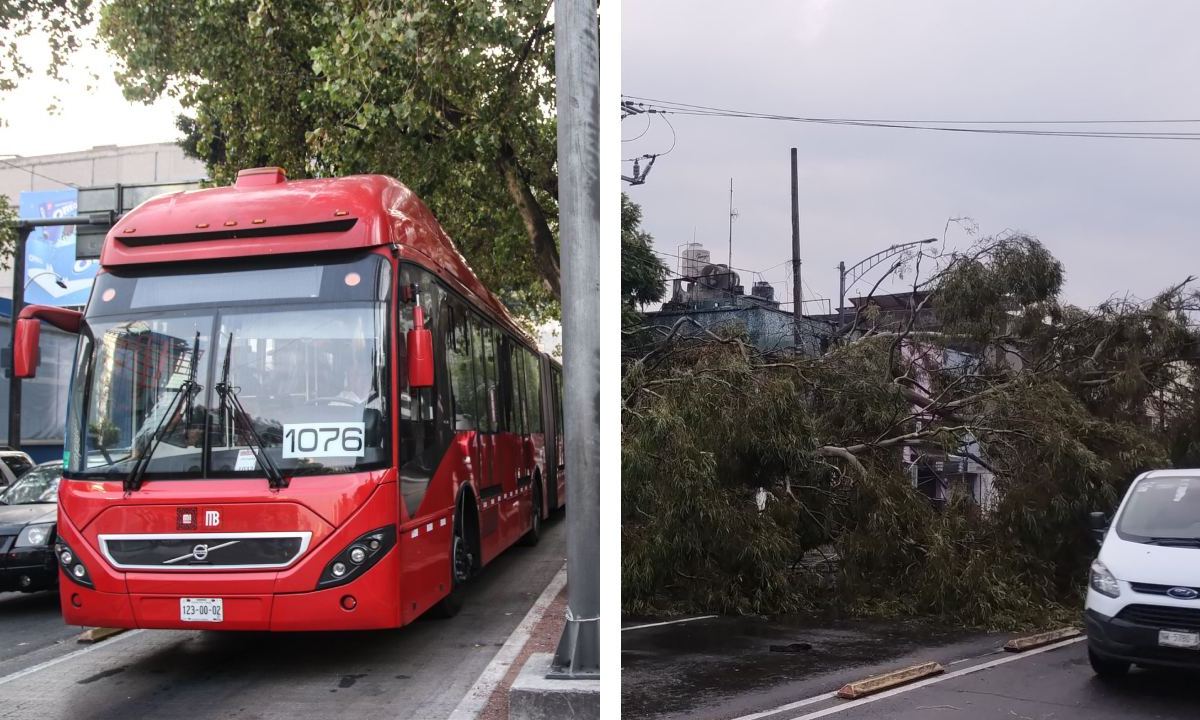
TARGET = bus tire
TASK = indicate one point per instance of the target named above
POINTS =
(462, 566)
(531, 537)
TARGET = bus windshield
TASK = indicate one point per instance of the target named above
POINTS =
(192, 389)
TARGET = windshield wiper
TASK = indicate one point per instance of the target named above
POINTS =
(1167, 541)
(229, 398)
(187, 391)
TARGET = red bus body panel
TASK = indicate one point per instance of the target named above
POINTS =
(204, 227)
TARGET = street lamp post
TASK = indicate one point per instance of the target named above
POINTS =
(23, 229)
(856, 272)
(58, 279)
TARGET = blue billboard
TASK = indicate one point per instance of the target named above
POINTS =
(50, 262)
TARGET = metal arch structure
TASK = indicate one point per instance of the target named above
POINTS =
(858, 271)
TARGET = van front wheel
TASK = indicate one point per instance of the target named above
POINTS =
(1106, 668)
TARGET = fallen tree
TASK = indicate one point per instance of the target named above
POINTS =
(737, 468)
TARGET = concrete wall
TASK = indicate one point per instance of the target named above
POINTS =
(103, 165)
(770, 330)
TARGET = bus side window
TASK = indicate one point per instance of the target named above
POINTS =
(504, 392)
(492, 395)
(518, 387)
(458, 363)
(533, 393)
(479, 361)
(558, 400)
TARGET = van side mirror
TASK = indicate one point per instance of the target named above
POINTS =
(1098, 523)
(25, 348)
(420, 352)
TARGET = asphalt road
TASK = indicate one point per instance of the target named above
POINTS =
(722, 669)
(1058, 684)
(420, 671)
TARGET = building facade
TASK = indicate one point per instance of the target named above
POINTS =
(44, 186)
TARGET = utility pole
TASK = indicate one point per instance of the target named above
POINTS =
(797, 293)
(18, 302)
(729, 266)
(577, 67)
(841, 295)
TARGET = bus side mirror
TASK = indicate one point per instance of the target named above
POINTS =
(25, 348)
(420, 352)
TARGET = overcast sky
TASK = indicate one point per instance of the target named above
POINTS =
(1122, 215)
(88, 116)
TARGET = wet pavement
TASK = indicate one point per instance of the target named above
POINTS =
(1058, 684)
(724, 667)
(421, 671)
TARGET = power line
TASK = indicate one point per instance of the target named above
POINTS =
(38, 174)
(664, 107)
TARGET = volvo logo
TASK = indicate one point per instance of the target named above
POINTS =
(1183, 593)
(200, 552)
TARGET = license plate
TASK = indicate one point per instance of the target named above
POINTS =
(1171, 638)
(201, 610)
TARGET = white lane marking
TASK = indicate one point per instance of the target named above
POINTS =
(69, 656)
(789, 706)
(931, 681)
(477, 697)
(668, 622)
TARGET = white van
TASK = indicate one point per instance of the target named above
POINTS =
(1143, 601)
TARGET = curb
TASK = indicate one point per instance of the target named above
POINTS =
(95, 635)
(879, 683)
(1040, 639)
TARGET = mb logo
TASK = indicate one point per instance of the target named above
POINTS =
(186, 518)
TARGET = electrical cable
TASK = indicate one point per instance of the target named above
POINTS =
(38, 174)
(669, 107)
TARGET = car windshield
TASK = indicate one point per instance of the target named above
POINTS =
(39, 485)
(192, 390)
(1162, 510)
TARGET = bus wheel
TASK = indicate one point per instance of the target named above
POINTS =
(530, 538)
(461, 564)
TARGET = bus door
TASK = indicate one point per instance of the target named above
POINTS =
(489, 482)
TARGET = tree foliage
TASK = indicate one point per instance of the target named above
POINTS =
(769, 484)
(643, 275)
(60, 20)
(454, 99)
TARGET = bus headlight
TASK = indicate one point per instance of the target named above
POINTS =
(357, 557)
(72, 566)
(35, 535)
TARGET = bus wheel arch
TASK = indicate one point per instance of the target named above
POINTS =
(465, 532)
(531, 537)
(467, 513)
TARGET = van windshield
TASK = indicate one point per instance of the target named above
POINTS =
(1163, 511)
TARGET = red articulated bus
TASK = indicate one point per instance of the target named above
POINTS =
(294, 407)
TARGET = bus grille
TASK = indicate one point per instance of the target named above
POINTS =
(199, 551)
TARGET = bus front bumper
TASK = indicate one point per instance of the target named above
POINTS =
(361, 604)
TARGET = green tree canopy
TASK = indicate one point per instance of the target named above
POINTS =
(643, 275)
(456, 100)
(61, 20)
(767, 484)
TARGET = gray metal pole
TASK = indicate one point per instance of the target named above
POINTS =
(577, 66)
(18, 302)
(729, 266)
(841, 295)
(797, 293)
